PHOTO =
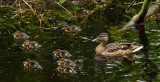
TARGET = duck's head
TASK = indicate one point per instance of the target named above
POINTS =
(102, 37)
(26, 43)
(66, 28)
(57, 51)
(26, 62)
(16, 34)
(61, 61)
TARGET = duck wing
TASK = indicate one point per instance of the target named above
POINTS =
(114, 47)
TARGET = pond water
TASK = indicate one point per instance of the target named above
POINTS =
(145, 67)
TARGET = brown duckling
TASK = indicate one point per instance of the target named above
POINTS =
(114, 49)
(71, 29)
(30, 45)
(30, 64)
(26, 44)
(34, 45)
(20, 36)
(66, 62)
(61, 54)
(66, 70)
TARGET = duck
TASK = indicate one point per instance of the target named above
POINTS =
(73, 29)
(66, 62)
(61, 54)
(20, 36)
(114, 49)
(31, 45)
(66, 70)
(31, 64)
(34, 45)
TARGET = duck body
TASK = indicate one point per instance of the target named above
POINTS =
(66, 62)
(61, 54)
(114, 49)
(20, 36)
(30, 64)
(72, 29)
(30, 45)
(66, 70)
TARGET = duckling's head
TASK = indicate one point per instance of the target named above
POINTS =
(61, 61)
(26, 62)
(56, 52)
(26, 43)
(66, 28)
(102, 37)
(16, 34)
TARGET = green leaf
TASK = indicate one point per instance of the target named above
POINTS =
(62, 1)
(31, 26)
(1, 20)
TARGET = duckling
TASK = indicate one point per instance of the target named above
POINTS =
(114, 49)
(30, 64)
(34, 45)
(71, 29)
(61, 54)
(26, 44)
(20, 36)
(30, 45)
(66, 62)
(66, 70)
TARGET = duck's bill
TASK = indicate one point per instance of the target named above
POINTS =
(95, 40)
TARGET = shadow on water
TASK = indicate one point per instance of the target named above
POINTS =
(150, 69)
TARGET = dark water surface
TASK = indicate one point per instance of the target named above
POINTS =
(144, 68)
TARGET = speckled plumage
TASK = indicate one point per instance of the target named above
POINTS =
(66, 62)
(114, 49)
(30, 64)
(20, 36)
(30, 45)
(66, 70)
(61, 54)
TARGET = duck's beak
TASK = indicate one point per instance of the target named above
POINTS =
(95, 40)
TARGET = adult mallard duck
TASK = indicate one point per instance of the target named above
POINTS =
(20, 36)
(61, 54)
(66, 69)
(30, 64)
(114, 49)
(30, 45)
(66, 62)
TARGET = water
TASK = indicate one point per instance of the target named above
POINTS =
(144, 68)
